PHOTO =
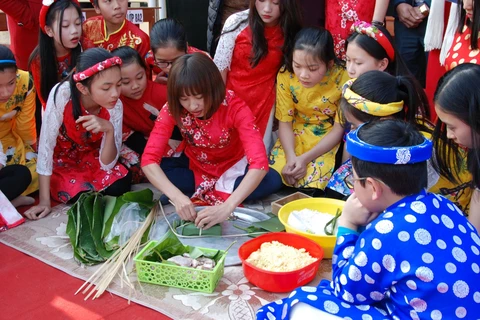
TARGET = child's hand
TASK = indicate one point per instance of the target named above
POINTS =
(300, 168)
(354, 214)
(95, 124)
(210, 216)
(185, 208)
(161, 78)
(39, 211)
(287, 173)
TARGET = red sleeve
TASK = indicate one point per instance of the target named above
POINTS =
(252, 141)
(145, 45)
(158, 140)
(150, 61)
(35, 69)
(22, 12)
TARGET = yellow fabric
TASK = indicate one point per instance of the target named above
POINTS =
(459, 193)
(312, 112)
(370, 107)
(17, 128)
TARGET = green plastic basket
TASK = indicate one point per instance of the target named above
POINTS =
(177, 276)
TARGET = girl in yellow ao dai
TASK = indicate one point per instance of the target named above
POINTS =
(307, 105)
(17, 116)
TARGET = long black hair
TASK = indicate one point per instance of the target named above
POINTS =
(474, 23)
(396, 67)
(45, 51)
(166, 33)
(87, 59)
(458, 95)
(290, 22)
(382, 87)
(318, 42)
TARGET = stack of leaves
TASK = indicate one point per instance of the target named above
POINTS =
(90, 220)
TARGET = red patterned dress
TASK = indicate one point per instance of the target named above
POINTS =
(461, 51)
(339, 17)
(219, 148)
(70, 154)
(256, 86)
(94, 30)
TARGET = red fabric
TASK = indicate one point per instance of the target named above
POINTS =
(461, 51)
(150, 58)
(23, 27)
(34, 290)
(128, 35)
(135, 116)
(76, 164)
(64, 65)
(212, 145)
(256, 86)
(339, 17)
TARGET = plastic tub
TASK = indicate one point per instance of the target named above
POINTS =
(325, 205)
(280, 281)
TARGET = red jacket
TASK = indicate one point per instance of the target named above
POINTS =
(22, 19)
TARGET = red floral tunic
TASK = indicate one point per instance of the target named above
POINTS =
(339, 17)
(216, 147)
(70, 154)
(461, 51)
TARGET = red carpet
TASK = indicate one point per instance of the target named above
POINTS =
(31, 289)
(34, 290)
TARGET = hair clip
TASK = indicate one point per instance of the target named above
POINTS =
(373, 32)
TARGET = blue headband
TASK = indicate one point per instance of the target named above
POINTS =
(388, 155)
(8, 61)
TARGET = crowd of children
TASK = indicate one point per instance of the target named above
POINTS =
(120, 107)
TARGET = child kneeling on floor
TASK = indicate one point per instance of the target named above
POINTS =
(418, 257)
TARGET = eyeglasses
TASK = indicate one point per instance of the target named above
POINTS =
(164, 64)
(349, 180)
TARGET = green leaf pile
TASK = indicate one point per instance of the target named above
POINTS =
(90, 220)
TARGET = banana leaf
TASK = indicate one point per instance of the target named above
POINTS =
(85, 239)
(143, 197)
(169, 246)
(96, 227)
(273, 225)
(73, 231)
(109, 206)
(90, 219)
